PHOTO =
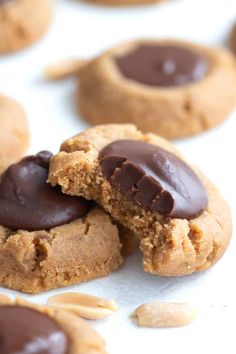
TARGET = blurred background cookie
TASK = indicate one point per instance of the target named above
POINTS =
(22, 22)
(169, 87)
(14, 132)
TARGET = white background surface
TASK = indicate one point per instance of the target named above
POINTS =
(80, 29)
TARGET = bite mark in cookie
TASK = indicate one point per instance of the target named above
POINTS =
(154, 178)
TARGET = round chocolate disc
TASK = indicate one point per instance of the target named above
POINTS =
(29, 203)
(163, 65)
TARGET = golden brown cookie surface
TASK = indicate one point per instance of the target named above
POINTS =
(37, 261)
(171, 245)
(57, 331)
(22, 22)
(106, 95)
(14, 132)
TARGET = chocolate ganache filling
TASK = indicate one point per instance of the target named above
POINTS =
(27, 331)
(29, 203)
(164, 65)
(154, 178)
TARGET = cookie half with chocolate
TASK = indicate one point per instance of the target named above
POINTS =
(48, 239)
(183, 223)
(30, 328)
(14, 132)
(22, 22)
(168, 87)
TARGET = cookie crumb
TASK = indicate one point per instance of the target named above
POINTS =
(164, 314)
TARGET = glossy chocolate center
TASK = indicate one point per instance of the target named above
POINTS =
(162, 65)
(29, 203)
(154, 178)
(27, 331)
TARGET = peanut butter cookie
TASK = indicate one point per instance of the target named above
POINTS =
(168, 87)
(48, 239)
(14, 132)
(183, 223)
(29, 328)
(22, 22)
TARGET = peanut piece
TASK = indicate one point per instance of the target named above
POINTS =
(164, 314)
(64, 69)
(5, 299)
(83, 305)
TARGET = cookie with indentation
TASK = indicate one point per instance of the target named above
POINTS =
(168, 87)
(14, 132)
(22, 22)
(48, 239)
(31, 328)
(140, 179)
